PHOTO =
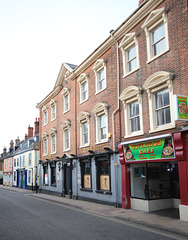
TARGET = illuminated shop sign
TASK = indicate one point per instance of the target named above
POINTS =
(180, 107)
(150, 150)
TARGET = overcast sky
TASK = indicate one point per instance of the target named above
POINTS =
(36, 37)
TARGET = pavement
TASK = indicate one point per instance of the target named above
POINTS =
(145, 219)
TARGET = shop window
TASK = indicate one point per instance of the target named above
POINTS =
(101, 118)
(66, 100)
(45, 115)
(100, 75)
(159, 88)
(103, 175)
(83, 119)
(129, 48)
(45, 174)
(154, 180)
(83, 83)
(85, 174)
(131, 98)
(156, 30)
(53, 174)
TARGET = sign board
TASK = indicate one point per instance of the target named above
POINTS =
(150, 150)
(180, 107)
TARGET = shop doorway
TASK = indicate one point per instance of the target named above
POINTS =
(157, 182)
(68, 179)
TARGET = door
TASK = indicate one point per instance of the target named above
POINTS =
(68, 179)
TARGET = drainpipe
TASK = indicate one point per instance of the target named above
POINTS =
(113, 119)
(117, 109)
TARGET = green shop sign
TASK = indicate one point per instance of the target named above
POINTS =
(150, 150)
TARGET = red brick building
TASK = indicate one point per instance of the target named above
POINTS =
(153, 65)
(123, 93)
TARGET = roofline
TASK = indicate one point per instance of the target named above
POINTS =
(140, 13)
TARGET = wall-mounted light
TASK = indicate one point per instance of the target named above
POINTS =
(59, 166)
(90, 151)
(73, 155)
(107, 149)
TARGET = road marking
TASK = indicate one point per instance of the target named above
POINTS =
(114, 219)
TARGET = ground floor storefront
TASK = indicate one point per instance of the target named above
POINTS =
(155, 173)
(7, 178)
(93, 177)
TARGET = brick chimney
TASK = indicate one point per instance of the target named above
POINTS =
(4, 151)
(17, 140)
(30, 131)
(26, 137)
(36, 123)
(11, 145)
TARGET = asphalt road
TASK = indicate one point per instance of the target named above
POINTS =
(24, 217)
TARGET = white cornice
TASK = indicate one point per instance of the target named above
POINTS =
(138, 15)
(49, 96)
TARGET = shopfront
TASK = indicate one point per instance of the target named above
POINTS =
(152, 174)
(22, 178)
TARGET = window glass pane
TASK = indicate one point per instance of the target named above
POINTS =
(85, 133)
(158, 33)
(84, 91)
(167, 115)
(104, 168)
(101, 79)
(102, 126)
(158, 40)
(66, 139)
(166, 98)
(162, 107)
(131, 58)
(134, 117)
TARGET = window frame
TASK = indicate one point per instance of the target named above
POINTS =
(99, 110)
(83, 79)
(45, 143)
(126, 44)
(66, 95)
(53, 110)
(66, 129)
(98, 161)
(53, 133)
(155, 83)
(45, 115)
(82, 168)
(130, 95)
(155, 19)
(97, 68)
(84, 117)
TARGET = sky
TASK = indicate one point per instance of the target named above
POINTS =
(36, 37)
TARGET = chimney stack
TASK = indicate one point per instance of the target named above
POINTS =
(36, 127)
(4, 151)
(17, 140)
(11, 145)
(26, 137)
(30, 131)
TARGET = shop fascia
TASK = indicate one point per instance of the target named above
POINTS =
(149, 149)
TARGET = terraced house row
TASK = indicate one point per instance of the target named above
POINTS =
(114, 128)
